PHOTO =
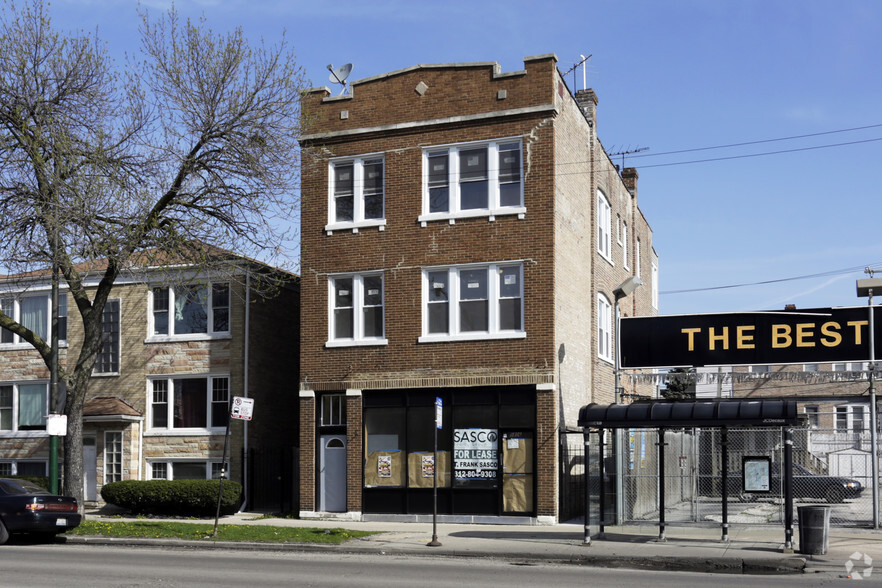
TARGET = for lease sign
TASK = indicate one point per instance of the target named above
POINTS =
(475, 454)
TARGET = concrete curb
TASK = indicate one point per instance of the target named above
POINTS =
(719, 565)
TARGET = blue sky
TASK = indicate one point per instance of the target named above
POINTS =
(671, 75)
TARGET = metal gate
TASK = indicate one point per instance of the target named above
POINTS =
(824, 470)
(273, 479)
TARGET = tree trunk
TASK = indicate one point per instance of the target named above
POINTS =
(73, 444)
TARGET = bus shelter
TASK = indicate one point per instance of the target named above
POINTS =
(665, 415)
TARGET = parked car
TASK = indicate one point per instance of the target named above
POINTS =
(806, 484)
(27, 508)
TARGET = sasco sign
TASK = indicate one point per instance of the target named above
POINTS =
(745, 338)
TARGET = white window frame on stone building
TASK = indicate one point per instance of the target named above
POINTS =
(172, 408)
(184, 469)
(604, 328)
(23, 467)
(356, 193)
(468, 180)
(107, 362)
(113, 456)
(852, 418)
(356, 309)
(23, 415)
(473, 302)
(34, 311)
(176, 313)
(604, 236)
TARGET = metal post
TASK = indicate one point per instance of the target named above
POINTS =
(619, 438)
(602, 503)
(724, 490)
(661, 484)
(788, 490)
(434, 542)
(587, 459)
(874, 434)
(223, 474)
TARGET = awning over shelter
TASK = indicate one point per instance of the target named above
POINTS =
(698, 413)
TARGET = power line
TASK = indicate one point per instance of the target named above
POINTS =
(848, 270)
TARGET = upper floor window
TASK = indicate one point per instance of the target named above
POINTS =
(813, 415)
(625, 262)
(637, 255)
(356, 193)
(475, 179)
(23, 407)
(185, 311)
(852, 418)
(473, 302)
(108, 357)
(356, 313)
(189, 403)
(604, 236)
(35, 313)
(855, 370)
(604, 328)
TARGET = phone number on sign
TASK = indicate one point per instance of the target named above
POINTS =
(475, 474)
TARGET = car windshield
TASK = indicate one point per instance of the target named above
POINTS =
(10, 486)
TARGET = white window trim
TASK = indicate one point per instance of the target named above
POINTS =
(638, 266)
(17, 342)
(170, 467)
(604, 227)
(358, 221)
(211, 335)
(15, 432)
(358, 307)
(16, 462)
(172, 431)
(493, 298)
(121, 454)
(493, 209)
(850, 418)
(604, 328)
(625, 262)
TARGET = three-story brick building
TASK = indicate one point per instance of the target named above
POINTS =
(463, 232)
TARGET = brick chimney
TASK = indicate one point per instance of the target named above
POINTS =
(629, 178)
(587, 101)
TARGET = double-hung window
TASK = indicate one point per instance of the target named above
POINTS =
(181, 469)
(475, 179)
(33, 312)
(356, 310)
(604, 328)
(108, 357)
(473, 302)
(189, 403)
(356, 193)
(604, 235)
(23, 407)
(190, 311)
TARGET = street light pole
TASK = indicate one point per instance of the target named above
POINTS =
(623, 290)
(865, 287)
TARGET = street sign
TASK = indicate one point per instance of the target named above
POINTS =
(438, 406)
(242, 408)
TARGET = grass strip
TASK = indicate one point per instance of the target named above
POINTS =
(202, 531)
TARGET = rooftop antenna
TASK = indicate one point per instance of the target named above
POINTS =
(573, 69)
(628, 152)
(339, 75)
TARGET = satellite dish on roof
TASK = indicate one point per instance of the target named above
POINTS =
(339, 75)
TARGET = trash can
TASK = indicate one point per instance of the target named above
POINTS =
(814, 529)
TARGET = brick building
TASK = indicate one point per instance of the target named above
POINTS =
(176, 348)
(463, 232)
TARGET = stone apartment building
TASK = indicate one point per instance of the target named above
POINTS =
(175, 351)
(463, 233)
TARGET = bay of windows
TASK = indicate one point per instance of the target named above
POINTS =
(190, 310)
(23, 407)
(189, 403)
(473, 302)
(473, 180)
(356, 192)
(356, 313)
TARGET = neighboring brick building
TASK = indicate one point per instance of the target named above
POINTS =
(175, 352)
(463, 231)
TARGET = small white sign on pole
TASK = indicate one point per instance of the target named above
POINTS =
(242, 408)
(56, 424)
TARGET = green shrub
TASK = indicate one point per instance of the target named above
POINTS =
(195, 498)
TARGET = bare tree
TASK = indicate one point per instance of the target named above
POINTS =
(105, 166)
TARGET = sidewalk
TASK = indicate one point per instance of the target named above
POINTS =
(750, 550)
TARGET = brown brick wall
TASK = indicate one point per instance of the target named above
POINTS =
(307, 453)
(354, 453)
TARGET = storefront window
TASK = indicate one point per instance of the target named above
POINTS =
(384, 450)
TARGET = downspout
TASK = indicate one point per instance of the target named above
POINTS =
(245, 376)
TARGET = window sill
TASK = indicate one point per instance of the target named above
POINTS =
(357, 343)
(188, 337)
(21, 346)
(355, 226)
(105, 375)
(608, 360)
(606, 257)
(491, 214)
(183, 432)
(23, 434)
(470, 337)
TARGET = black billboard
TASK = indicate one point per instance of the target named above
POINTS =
(748, 338)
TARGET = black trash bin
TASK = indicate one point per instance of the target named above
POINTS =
(814, 529)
